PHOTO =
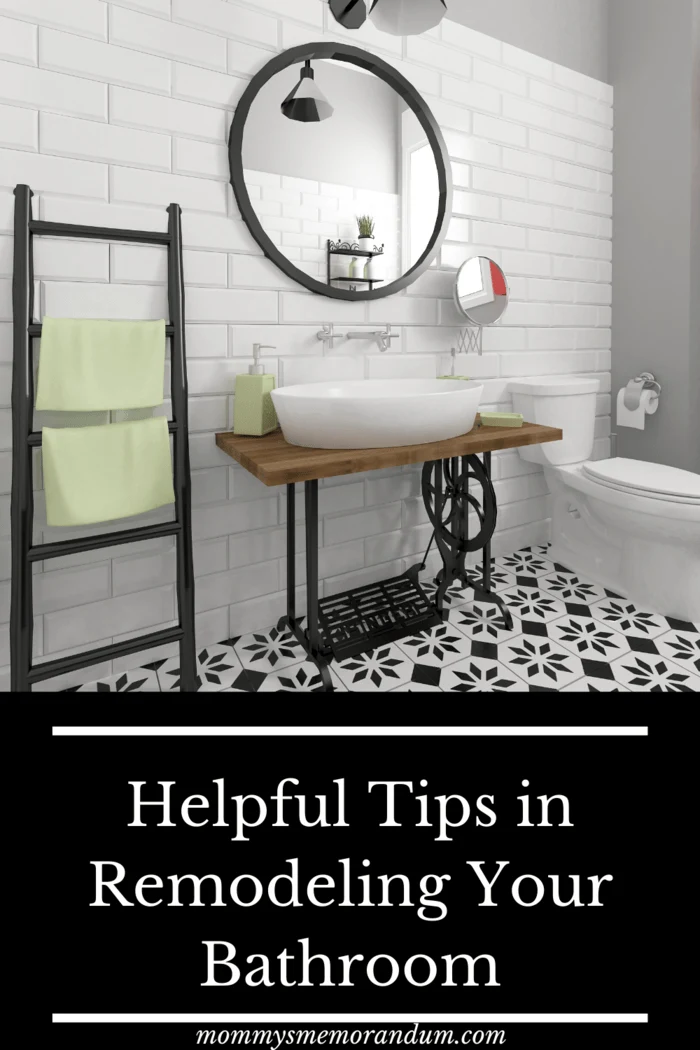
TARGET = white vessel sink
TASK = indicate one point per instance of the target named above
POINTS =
(376, 413)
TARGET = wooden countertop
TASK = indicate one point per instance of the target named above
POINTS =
(274, 462)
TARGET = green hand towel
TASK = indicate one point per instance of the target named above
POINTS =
(93, 366)
(96, 474)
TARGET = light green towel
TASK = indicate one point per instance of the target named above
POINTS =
(96, 474)
(93, 366)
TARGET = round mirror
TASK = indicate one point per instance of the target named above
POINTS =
(340, 171)
(481, 290)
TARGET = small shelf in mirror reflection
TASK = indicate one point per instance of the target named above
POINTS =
(352, 248)
(352, 281)
(345, 248)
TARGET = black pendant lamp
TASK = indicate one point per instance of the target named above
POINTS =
(306, 101)
(407, 17)
(350, 13)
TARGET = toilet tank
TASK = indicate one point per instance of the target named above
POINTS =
(566, 402)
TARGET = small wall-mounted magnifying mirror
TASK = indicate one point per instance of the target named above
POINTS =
(481, 291)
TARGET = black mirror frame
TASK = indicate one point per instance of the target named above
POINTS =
(355, 56)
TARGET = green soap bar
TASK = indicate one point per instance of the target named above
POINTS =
(501, 419)
(453, 377)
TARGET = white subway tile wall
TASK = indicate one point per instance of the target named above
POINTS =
(112, 110)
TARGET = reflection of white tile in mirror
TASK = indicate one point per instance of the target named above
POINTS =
(474, 283)
(420, 189)
(312, 180)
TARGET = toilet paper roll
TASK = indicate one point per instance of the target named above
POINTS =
(648, 404)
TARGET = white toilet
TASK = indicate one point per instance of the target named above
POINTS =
(633, 527)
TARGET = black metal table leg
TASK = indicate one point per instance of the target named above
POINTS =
(311, 510)
(312, 632)
(443, 578)
(310, 638)
(448, 509)
(290, 619)
(486, 563)
(486, 592)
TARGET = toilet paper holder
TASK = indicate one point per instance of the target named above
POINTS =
(633, 390)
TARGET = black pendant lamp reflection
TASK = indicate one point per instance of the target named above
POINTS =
(306, 101)
(407, 17)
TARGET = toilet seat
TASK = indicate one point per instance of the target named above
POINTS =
(650, 480)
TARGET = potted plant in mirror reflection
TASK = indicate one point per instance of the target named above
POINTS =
(365, 227)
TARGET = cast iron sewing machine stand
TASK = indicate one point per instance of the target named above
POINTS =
(456, 483)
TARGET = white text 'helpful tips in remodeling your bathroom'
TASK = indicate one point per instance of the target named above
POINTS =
(379, 875)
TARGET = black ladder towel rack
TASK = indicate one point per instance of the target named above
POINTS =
(24, 674)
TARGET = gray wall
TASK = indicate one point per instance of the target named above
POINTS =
(695, 235)
(655, 229)
(571, 32)
(357, 147)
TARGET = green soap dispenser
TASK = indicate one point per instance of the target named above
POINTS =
(253, 411)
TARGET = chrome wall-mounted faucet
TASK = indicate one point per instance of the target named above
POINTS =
(383, 337)
(327, 336)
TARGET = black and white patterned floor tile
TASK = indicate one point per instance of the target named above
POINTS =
(587, 685)
(480, 674)
(483, 622)
(568, 587)
(139, 680)
(623, 616)
(501, 578)
(654, 674)
(569, 635)
(381, 670)
(413, 687)
(437, 647)
(270, 650)
(540, 661)
(300, 678)
(683, 647)
(424, 678)
(528, 564)
(530, 603)
(586, 637)
(218, 668)
(454, 597)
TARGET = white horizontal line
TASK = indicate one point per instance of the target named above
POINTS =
(354, 1019)
(350, 731)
